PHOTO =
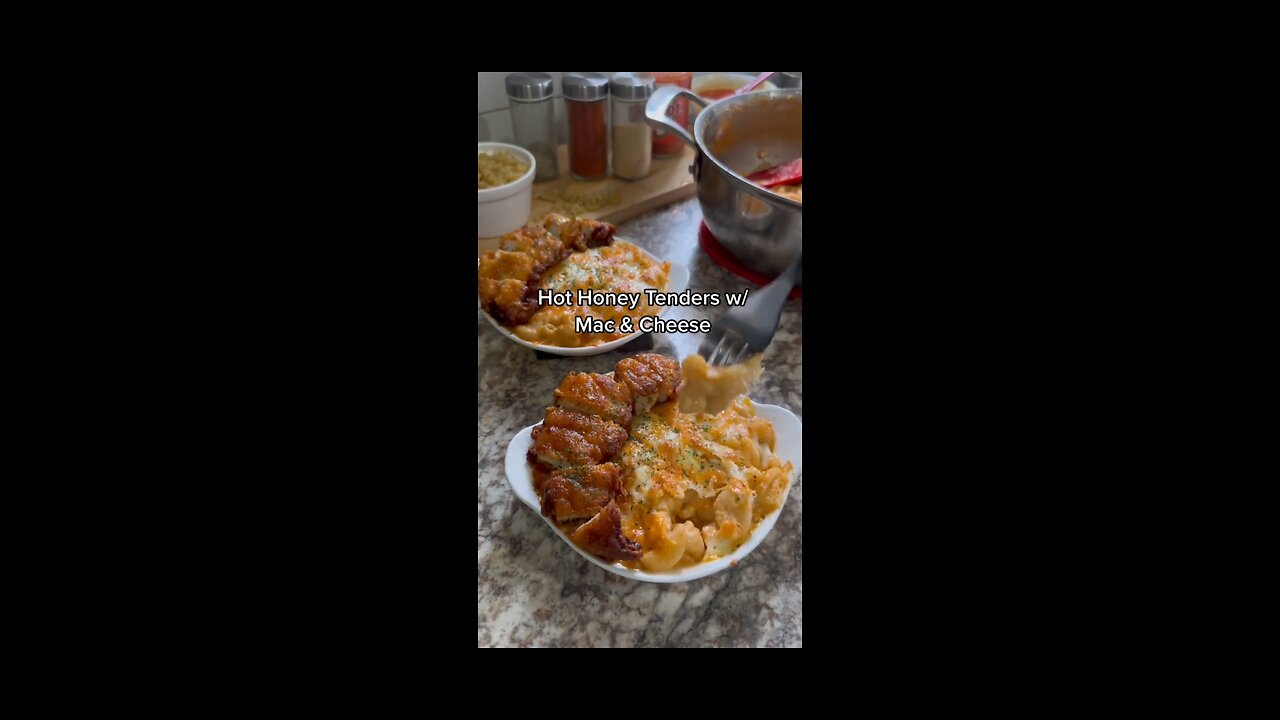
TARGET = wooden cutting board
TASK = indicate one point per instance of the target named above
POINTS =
(669, 180)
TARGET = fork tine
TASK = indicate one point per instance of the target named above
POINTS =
(707, 347)
(727, 352)
(717, 355)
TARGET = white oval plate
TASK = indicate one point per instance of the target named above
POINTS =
(786, 428)
(677, 280)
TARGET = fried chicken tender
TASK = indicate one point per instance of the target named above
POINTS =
(567, 438)
(542, 248)
(509, 301)
(504, 285)
(580, 493)
(652, 379)
(579, 234)
(509, 275)
(596, 394)
(603, 536)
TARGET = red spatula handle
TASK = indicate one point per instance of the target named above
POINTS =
(754, 83)
(784, 174)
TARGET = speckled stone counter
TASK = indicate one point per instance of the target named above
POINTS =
(535, 591)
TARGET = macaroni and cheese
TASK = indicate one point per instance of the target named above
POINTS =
(632, 478)
(617, 268)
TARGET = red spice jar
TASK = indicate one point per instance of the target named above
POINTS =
(664, 143)
(586, 99)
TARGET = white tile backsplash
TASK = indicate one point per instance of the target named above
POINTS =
(491, 93)
(496, 127)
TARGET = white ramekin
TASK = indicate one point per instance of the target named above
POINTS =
(505, 208)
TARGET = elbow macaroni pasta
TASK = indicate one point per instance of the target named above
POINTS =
(620, 267)
(497, 169)
(698, 484)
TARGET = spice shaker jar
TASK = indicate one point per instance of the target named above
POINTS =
(665, 143)
(533, 119)
(586, 97)
(632, 136)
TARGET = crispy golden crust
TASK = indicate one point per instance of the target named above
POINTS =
(542, 248)
(651, 378)
(567, 438)
(595, 394)
(521, 239)
(606, 434)
(603, 536)
(579, 234)
(579, 493)
(563, 447)
(509, 301)
(509, 275)
(504, 285)
(504, 265)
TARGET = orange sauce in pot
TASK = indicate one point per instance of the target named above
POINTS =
(716, 93)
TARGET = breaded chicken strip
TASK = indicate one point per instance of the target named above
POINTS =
(566, 438)
(579, 234)
(508, 301)
(504, 265)
(504, 285)
(597, 430)
(652, 379)
(543, 248)
(595, 394)
(509, 276)
(579, 493)
(602, 535)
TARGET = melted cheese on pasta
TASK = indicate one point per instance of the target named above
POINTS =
(697, 484)
(711, 389)
(619, 268)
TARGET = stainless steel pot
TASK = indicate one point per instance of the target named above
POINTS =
(735, 137)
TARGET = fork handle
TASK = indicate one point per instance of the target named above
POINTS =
(770, 298)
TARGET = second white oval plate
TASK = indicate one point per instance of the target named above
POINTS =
(677, 280)
(786, 428)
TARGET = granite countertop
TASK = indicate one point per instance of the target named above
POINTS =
(534, 590)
